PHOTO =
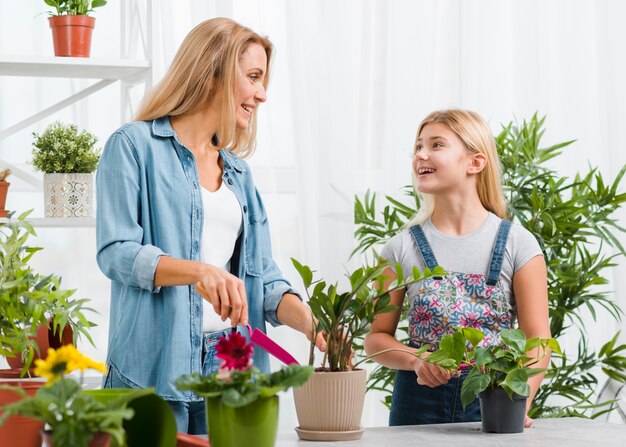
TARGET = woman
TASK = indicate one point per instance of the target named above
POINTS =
(181, 229)
(496, 273)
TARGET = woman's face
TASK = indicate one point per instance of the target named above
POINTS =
(250, 90)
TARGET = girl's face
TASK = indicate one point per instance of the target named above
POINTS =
(441, 161)
(250, 90)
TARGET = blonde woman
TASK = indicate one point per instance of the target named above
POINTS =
(181, 229)
(496, 270)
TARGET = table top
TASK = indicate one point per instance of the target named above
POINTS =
(546, 432)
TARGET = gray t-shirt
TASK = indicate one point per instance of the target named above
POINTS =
(469, 253)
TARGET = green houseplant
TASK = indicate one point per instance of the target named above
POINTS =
(67, 157)
(73, 417)
(575, 222)
(241, 402)
(495, 371)
(31, 304)
(30, 300)
(330, 404)
(72, 26)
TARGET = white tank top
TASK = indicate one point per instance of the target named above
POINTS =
(222, 226)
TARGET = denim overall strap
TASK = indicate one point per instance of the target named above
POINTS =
(497, 255)
(424, 246)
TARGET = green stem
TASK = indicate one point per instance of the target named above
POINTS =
(383, 352)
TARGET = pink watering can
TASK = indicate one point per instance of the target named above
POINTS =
(267, 344)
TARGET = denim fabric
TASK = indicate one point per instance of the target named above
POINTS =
(149, 205)
(414, 404)
(424, 246)
(497, 255)
(191, 416)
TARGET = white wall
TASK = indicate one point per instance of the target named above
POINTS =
(351, 80)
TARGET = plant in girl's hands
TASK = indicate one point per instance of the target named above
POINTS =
(506, 365)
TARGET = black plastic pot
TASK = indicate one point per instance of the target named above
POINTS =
(499, 413)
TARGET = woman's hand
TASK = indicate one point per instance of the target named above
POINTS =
(226, 293)
(430, 374)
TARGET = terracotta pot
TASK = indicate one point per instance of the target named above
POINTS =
(72, 35)
(330, 404)
(45, 339)
(19, 431)
(4, 188)
(97, 440)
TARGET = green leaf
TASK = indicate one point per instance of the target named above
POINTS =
(475, 383)
(516, 382)
(514, 339)
(482, 357)
(304, 271)
(474, 336)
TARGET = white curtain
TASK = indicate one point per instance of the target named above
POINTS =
(350, 82)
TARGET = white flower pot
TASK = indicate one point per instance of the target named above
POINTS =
(330, 405)
(68, 195)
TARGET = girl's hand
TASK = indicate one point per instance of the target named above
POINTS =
(528, 422)
(429, 374)
(226, 293)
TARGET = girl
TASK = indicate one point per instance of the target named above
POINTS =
(177, 208)
(496, 271)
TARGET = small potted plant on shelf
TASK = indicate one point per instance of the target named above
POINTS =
(330, 404)
(73, 417)
(4, 189)
(498, 373)
(68, 159)
(72, 26)
(241, 402)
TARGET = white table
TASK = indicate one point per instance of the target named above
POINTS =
(566, 432)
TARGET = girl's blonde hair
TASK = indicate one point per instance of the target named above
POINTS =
(205, 69)
(476, 135)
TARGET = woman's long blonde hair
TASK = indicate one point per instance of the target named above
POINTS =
(204, 70)
(475, 133)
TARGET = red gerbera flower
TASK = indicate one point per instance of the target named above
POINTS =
(235, 351)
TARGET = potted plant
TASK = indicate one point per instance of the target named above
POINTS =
(31, 300)
(4, 189)
(72, 26)
(73, 417)
(68, 159)
(31, 304)
(241, 402)
(330, 404)
(498, 373)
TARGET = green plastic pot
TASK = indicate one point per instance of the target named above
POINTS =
(235, 427)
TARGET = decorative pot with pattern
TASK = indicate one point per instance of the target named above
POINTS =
(68, 195)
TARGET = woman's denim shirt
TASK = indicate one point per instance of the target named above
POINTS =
(149, 205)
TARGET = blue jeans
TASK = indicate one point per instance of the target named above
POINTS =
(414, 404)
(190, 416)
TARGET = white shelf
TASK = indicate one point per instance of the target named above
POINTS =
(71, 67)
(59, 222)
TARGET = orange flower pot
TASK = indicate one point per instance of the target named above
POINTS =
(4, 188)
(72, 35)
(19, 431)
